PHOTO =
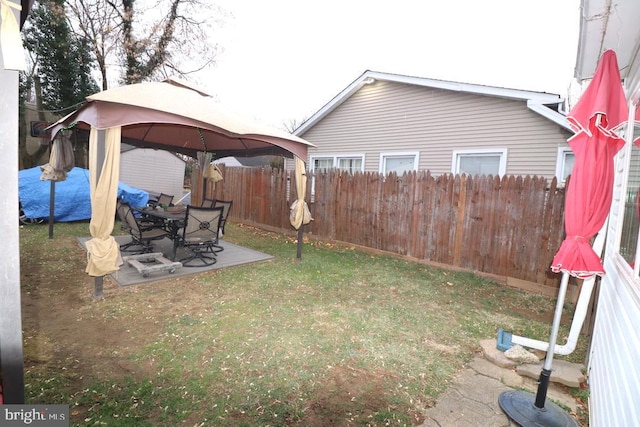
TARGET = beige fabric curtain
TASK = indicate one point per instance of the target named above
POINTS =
(12, 49)
(300, 214)
(103, 250)
(61, 160)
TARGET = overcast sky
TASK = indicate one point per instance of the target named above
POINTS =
(282, 60)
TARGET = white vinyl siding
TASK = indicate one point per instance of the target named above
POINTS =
(156, 171)
(614, 388)
(390, 116)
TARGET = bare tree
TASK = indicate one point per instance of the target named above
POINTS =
(292, 124)
(145, 39)
(97, 22)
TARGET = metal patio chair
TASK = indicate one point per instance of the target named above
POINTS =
(207, 203)
(142, 233)
(163, 200)
(226, 208)
(200, 235)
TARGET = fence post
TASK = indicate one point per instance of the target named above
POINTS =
(462, 206)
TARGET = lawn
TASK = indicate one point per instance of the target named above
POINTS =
(342, 337)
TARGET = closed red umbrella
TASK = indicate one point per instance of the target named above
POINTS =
(600, 111)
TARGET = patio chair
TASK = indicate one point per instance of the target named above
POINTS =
(142, 234)
(143, 221)
(226, 205)
(200, 235)
(163, 200)
(208, 203)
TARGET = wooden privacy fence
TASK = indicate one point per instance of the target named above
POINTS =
(508, 227)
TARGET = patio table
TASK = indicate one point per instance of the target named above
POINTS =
(173, 219)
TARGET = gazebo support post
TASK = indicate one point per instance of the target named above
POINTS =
(97, 287)
(299, 246)
(98, 281)
(52, 204)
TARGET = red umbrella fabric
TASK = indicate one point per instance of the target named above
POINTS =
(600, 111)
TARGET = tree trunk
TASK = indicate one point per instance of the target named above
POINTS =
(30, 160)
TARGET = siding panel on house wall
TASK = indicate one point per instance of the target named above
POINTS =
(389, 116)
(156, 171)
(614, 388)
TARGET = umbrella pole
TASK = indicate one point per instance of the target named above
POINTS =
(545, 375)
(520, 406)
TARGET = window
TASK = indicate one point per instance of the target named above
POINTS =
(348, 162)
(398, 162)
(480, 162)
(564, 163)
(631, 221)
(322, 163)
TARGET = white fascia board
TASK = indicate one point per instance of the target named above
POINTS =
(550, 114)
(540, 97)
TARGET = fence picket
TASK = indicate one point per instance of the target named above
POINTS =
(509, 226)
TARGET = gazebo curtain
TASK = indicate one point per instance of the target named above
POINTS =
(300, 214)
(103, 250)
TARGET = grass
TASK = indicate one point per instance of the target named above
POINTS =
(342, 337)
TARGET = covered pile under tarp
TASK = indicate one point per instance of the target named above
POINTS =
(72, 199)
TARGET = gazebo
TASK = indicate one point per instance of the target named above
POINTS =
(170, 115)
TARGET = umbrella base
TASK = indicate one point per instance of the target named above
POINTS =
(520, 407)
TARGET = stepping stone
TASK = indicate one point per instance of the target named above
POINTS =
(495, 356)
(563, 372)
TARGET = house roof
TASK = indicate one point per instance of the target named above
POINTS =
(538, 102)
(610, 24)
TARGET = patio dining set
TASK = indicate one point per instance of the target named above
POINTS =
(196, 228)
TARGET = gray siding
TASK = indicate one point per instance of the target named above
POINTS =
(389, 116)
(156, 171)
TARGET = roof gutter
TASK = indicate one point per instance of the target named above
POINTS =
(549, 113)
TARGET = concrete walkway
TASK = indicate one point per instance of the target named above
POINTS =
(472, 400)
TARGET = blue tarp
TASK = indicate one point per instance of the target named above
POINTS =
(72, 200)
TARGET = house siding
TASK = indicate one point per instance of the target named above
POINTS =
(156, 171)
(614, 387)
(390, 116)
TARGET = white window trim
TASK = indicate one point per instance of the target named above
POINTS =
(560, 163)
(335, 158)
(384, 155)
(455, 159)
